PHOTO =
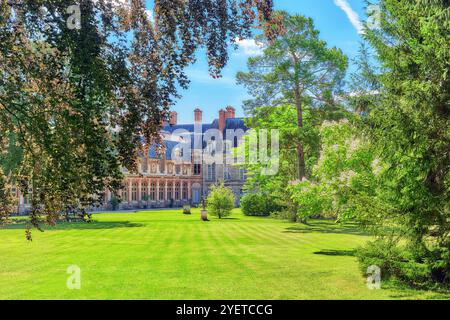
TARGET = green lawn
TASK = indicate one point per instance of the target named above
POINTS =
(168, 255)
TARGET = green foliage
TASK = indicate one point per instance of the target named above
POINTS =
(255, 204)
(282, 118)
(365, 82)
(6, 200)
(220, 201)
(297, 61)
(346, 169)
(76, 104)
(409, 129)
(296, 68)
(115, 201)
(395, 262)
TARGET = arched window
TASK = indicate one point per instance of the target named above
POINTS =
(144, 165)
(162, 163)
(134, 189)
(144, 191)
(125, 193)
(177, 191)
(169, 191)
(153, 191)
(161, 191)
(185, 191)
(28, 197)
(212, 172)
(196, 192)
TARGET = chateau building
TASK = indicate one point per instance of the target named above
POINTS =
(164, 182)
(172, 180)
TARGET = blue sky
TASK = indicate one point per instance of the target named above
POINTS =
(337, 21)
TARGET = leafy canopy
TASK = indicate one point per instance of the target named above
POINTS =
(220, 201)
(77, 105)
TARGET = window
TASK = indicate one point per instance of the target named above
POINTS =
(125, 195)
(241, 174)
(212, 172)
(169, 191)
(161, 166)
(177, 191)
(226, 173)
(161, 191)
(177, 169)
(27, 197)
(197, 169)
(144, 165)
(185, 191)
(134, 189)
(144, 191)
(153, 191)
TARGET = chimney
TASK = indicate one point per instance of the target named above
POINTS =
(198, 115)
(173, 118)
(231, 112)
(222, 118)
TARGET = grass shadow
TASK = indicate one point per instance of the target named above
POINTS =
(327, 227)
(346, 253)
(94, 225)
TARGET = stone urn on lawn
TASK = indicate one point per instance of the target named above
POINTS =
(186, 209)
(204, 212)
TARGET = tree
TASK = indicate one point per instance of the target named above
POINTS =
(410, 130)
(77, 94)
(6, 200)
(346, 170)
(281, 118)
(220, 201)
(364, 82)
(296, 68)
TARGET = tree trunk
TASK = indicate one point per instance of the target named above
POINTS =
(300, 152)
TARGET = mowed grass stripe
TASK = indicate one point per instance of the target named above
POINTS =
(167, 255)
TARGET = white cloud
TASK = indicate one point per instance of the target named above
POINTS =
(351, 14)
(250, 47)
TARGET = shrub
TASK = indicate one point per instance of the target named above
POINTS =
(115, 203)
(398, 262)
(220, 201)
(255, 204)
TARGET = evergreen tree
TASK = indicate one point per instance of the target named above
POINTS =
(411, 129)
(296, 68)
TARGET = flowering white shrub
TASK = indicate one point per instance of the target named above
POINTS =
(346, 167)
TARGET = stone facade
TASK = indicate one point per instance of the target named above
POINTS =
(163, 182)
